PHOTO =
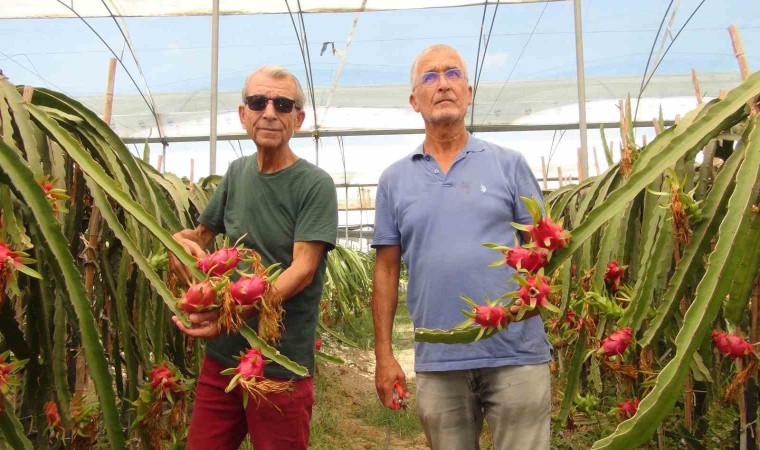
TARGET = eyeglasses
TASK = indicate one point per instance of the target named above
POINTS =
(431, 78)
(259, 103)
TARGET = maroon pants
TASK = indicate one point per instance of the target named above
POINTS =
(219, 421)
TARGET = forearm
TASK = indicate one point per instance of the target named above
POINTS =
(306, 259)
(385, 300)
(292, 280)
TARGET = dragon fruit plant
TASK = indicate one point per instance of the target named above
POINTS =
(167, 389)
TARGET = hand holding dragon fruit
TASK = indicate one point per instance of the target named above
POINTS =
(534, 292)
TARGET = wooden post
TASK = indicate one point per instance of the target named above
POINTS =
(656, 125)
(559, 176)
(544, 173)
(623, 127)
(192, 174)
(722, 94)
(109, 91)
(695, 82)
(644, 140)
(741, 58)
(93, 231)
(160, 162)
(596, 161)
(26, 96)
(581, 175)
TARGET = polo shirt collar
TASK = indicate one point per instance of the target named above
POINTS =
(473, 145)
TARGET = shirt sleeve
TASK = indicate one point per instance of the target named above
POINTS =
(213, 214)
(318, 217)
(526, 185)
(386, 220)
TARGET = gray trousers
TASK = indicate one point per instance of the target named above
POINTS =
(515, 400)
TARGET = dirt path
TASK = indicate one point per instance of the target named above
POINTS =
(346, 398)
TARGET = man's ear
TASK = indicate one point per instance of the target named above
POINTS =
(300, 117)
(241, 113)
(469, 94)
(413, 102)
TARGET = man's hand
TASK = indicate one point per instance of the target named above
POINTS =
(514, 309)
(387, 373)
(202, 325)
(194, 242)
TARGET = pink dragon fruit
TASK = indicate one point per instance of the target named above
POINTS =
(247, 290)
(530, 259)
(198, 298)
(220, 262)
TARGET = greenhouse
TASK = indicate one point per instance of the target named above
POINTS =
(145, 239)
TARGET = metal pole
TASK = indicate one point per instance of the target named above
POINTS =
(214, 87)
(581, 86)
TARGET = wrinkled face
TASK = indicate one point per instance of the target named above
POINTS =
(444, 101)
(269, 128)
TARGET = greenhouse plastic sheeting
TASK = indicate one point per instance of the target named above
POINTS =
(17, 9)
(367, 110)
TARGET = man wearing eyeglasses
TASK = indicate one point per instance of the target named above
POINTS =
(285, 208)
(435, 208)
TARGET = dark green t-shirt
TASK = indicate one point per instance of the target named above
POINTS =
(274, 211)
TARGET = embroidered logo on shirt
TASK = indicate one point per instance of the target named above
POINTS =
(483, 188)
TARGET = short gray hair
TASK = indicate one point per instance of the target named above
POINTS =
(430, 49)
(278, 73)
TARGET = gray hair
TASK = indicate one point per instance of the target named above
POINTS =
(278, 73)
(430, 49)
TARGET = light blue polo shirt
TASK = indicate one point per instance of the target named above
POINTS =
(441, 221)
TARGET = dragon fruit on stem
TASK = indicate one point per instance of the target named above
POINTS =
(628, 408)
(613, 276)
(616, 343)
(731, 345)
(163, 378)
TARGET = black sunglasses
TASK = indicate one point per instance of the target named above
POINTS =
(259, 103)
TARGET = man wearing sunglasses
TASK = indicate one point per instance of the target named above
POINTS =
(435, 208)
(285, 208)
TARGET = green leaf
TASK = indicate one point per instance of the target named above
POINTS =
(329, 358)
(573, 376)
(11, 428)
(652, 267)
(25, 126)
(272, 353)
(454, 336)
(746, 271)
